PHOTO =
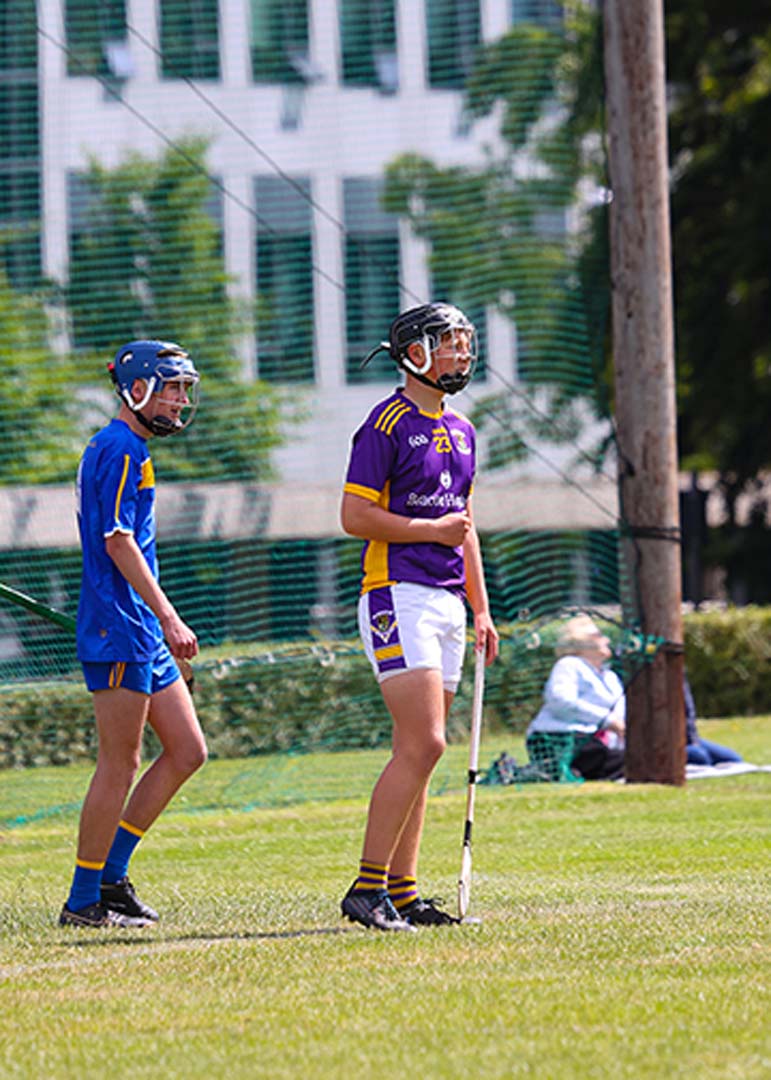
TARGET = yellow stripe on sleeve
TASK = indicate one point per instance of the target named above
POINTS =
(362, 491)
(121, 486)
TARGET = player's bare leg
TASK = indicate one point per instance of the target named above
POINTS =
(120, 718)
(403, 870)
(404, 860)
(415, 701)
(172, 716)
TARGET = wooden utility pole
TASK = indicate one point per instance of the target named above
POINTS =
(643, 353)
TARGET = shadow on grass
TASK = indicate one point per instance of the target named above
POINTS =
(249, 935)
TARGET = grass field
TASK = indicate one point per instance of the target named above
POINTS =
(624, 931)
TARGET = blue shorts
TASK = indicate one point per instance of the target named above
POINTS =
(144, 676)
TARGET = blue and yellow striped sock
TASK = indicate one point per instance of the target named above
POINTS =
(371, 876)
(402, 889)
(126, 839)
(85, 884)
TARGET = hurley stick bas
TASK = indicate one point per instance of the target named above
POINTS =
(67, 622)
(464, 881)
(13, 596)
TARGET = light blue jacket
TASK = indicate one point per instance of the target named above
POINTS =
(578, 697)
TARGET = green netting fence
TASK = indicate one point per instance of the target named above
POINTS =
(270, 183)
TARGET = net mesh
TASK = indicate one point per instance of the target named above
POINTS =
(273, 209)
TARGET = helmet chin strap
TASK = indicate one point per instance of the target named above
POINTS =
(448, 384)
(453, 384)
(159, 425)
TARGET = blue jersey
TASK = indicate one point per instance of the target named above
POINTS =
(116, 493)
(420, 465)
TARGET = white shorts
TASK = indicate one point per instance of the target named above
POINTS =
(407, 626)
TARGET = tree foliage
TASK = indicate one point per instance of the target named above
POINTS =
(719, 70)
(147, 263)
(719, 67)
(497, 235)
(487, 242)
(37, 405)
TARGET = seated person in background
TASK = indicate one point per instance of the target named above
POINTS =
(699, 751)
(585, 698)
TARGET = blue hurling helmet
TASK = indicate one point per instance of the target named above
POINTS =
(156, 363)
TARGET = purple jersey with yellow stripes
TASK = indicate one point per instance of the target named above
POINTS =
(116, 493)
(419, 465)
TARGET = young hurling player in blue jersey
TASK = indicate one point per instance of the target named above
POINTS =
(130, 640)
(408, 495)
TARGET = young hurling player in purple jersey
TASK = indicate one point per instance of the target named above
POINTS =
(131, 641)
(408, 496)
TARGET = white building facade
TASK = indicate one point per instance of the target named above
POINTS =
(304, 104)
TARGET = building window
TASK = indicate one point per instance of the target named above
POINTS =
(18, 121)
(18, 36)
(20, 227)
(96, 32)
(115, 284)
(284, 280)
(97, 307)
(543, 12)
(278, 41)
(371, 278)
(453, 33)
(471, 306)
(368, 44)
(190, 39)
(19, 151)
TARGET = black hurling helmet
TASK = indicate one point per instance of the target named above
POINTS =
(425, 326)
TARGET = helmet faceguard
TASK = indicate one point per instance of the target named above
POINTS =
(159, 364)
(427, 326)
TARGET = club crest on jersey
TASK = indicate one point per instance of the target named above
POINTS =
(383, 624)
(461, 442)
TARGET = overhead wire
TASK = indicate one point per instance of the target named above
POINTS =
(304, 194)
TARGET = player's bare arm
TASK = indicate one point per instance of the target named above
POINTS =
(365, 519)
(124, 552)
(485, 633)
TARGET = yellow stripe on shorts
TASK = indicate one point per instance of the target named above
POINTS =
(117, 671)
(388, 652)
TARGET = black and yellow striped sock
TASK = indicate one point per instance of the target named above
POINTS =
(402, 889)
(371, 876)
